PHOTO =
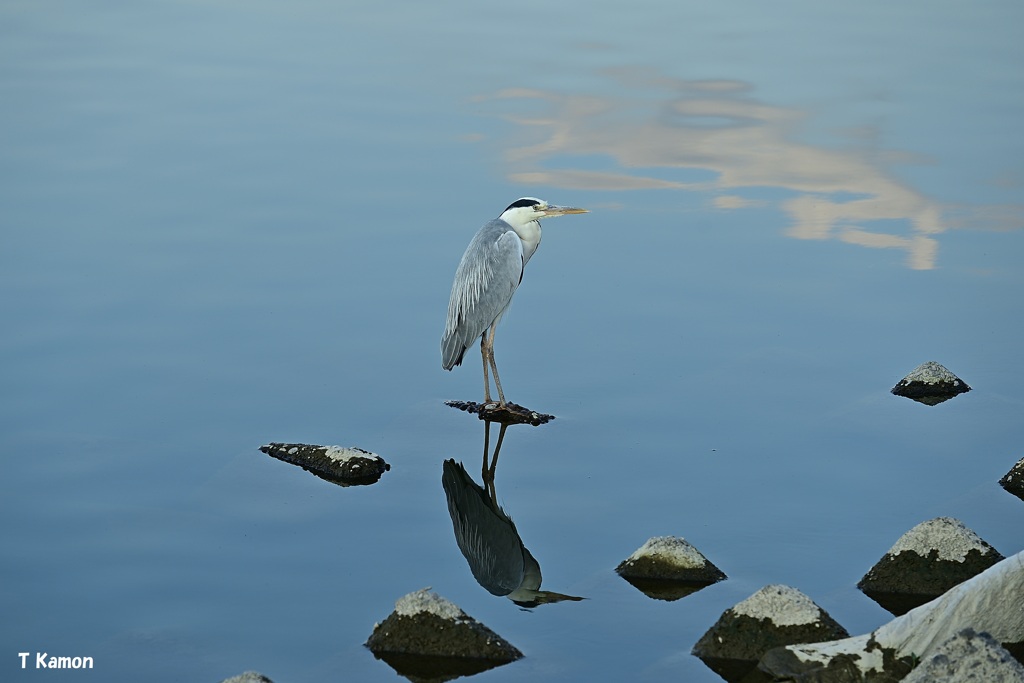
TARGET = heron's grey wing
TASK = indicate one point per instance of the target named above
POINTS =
(485, 281)
(486, 536)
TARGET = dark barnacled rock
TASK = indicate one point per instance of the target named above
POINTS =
(336, 464)
(1013, 481)
(926, 562)
(428, 637)
(771, 617)
(668, 568)
(930, 383)
(509, 414)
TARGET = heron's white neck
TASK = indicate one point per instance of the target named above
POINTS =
(529, 234)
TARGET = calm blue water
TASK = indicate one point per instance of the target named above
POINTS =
(227, 224)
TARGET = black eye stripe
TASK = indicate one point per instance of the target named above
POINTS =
(521, 203)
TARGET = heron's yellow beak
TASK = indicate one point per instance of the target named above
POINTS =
(562, 210)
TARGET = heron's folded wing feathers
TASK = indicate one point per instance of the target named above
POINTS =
(485, 281)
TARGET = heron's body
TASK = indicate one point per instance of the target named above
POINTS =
(487, 277)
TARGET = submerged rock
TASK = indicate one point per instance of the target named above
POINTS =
(336, 464)
(509, 414)
(925, 562)
(428, 636)
(989, 602)
(773, 616)
(968, 656)
(930, 383)
(1013, 481)
(668, 568)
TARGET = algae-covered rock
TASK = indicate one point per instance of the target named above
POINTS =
(668, 568)
(926, 562)
(508, 414)
(429, 636)
(341, 465)
(773, 616)
(930, 383)
(1013, 481)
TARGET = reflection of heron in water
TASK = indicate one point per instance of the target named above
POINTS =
(488, 537)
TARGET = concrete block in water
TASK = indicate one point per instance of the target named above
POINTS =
(926, 562)
(1013, 481)
(428, 636)
(668, 568)
(968, 657)
(930, 383)
(772, 617)
(248, 677)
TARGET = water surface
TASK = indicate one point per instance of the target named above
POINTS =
(226, 225)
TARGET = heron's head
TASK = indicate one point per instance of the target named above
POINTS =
(527, 209)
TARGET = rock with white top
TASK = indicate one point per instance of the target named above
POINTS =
(428, 636)
(668, 568)
(772, 617)
(989, 603)
(930, 383)
(1013, 481)
(925, 562)
(345, 466)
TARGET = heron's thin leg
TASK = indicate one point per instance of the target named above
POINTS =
(494, 365)
(483, 354)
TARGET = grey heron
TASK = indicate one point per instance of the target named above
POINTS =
(487, 277)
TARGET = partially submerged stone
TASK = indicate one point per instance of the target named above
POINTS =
(1013, 481)
(925, 562)
(968, 656)
(428, 636)
(930, 383)
(668, 568)
(336, 464)
(509, 414)
(989, 602)
(773, 616)
(248, 677)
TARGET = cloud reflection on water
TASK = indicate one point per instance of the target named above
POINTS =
(714, 131)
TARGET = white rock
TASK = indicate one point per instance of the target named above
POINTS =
(949, 536)
(344, 454)
(676, 550)
(931, 373)
(783, 605)
(968, 656)
(424, 600)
